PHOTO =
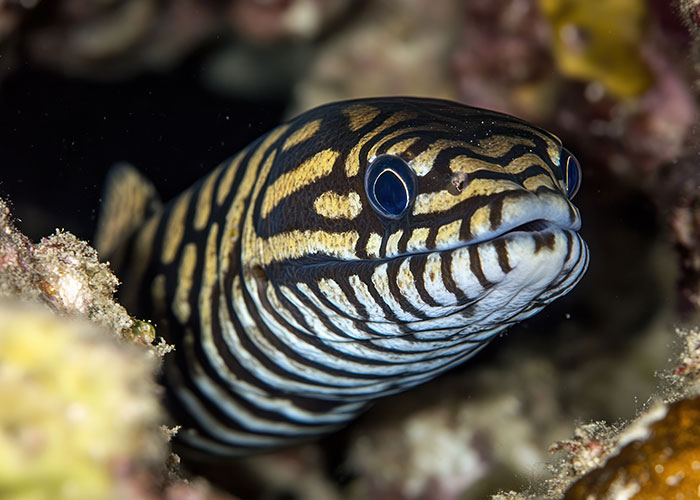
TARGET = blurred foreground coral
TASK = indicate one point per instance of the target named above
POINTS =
(80, 413)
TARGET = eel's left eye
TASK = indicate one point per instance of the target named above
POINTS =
(572, 173)
(390, 185)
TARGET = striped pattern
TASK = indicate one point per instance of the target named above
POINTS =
(292, 304)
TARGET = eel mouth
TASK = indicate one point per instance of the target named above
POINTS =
(531, 217)
(533, 226)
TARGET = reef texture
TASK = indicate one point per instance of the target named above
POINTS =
(400, 47)
(659, 457)
(80, 414)
(678, 194)
(656, 456)
(590, 43)
(451, 446)
(679, 197)
(79, 410)
(64, 273)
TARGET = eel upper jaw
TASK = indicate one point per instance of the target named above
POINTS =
(541, 220)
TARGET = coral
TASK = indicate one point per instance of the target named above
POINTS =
(80, 414)
(684, 379)
(197, 490)
(691, 13)
(656, 456)
(607, 77)
(591, 43)
(511, 495)
(443, 451)
(659, 458)
(587, 450)
(631, 138)
(79, 411)
(64, 273)
(635, 108)
(470, 434)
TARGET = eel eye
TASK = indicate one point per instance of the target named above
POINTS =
(572, 173)
(390, 185)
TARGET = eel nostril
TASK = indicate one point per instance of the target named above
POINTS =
(458, 182)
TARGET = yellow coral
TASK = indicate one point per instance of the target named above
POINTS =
(76, 408)
(661, 460)
(601, 41)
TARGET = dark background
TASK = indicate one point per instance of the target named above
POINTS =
(59, 137)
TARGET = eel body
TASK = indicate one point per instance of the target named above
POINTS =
(353, 252)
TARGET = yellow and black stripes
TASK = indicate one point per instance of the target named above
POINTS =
(296, 293)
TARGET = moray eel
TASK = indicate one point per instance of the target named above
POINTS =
(353, 252)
